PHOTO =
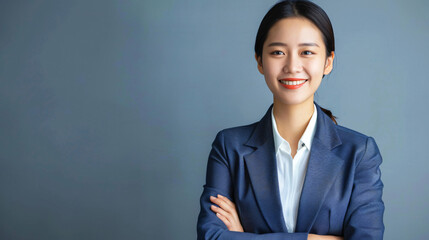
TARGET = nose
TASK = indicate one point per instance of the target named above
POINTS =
(292, 64)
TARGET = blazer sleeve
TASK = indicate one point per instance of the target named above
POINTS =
(219, 181)
(364, 216)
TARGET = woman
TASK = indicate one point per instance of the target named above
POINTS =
(295, 174)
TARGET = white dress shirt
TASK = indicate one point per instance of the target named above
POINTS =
(291, 172)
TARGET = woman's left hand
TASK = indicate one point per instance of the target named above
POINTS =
(226, 212)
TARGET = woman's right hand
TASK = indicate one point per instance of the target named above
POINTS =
(323, 237)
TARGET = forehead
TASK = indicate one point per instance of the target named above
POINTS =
(294, 30)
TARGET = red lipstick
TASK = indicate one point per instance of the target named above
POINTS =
(292, 83)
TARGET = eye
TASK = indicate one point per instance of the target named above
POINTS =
(278, 53)
(307, 53)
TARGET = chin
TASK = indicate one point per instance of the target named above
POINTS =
(293, 101)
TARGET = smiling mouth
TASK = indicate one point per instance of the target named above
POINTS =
(292, 83)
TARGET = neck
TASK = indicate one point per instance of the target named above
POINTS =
(292, 120)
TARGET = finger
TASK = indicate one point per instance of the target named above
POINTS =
(222, 204)
(216, 200)
(331, 237)
(229, 202)
(231, 205)
(230, 222)
(224, 220)
(224, 213)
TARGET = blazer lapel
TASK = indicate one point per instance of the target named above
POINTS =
(262, 168)
(323, 167)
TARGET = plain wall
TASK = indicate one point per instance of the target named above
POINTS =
(108, 108)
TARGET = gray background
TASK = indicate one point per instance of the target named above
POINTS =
(108, 108)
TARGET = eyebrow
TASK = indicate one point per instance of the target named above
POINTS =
(284, 44)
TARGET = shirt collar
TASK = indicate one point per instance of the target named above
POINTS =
(306, 138)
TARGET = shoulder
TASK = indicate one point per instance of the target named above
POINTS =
(339, 137)
(230, 143)
(350, 135)
(357, 142)
(238, 134)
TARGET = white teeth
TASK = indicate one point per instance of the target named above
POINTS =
(292, 82)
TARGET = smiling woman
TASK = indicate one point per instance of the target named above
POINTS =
(295, 174)
(294, 56)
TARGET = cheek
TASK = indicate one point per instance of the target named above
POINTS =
(270, 74)
(316, 68)
(271, 68)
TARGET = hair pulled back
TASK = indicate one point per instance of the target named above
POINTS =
(297, 8)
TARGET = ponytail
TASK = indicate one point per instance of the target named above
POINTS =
(329, 113)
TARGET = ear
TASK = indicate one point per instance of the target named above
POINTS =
(329, 63)
(259, 61)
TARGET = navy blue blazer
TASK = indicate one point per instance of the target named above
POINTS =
(342, 192)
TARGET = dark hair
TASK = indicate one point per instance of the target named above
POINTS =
(297, 8)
